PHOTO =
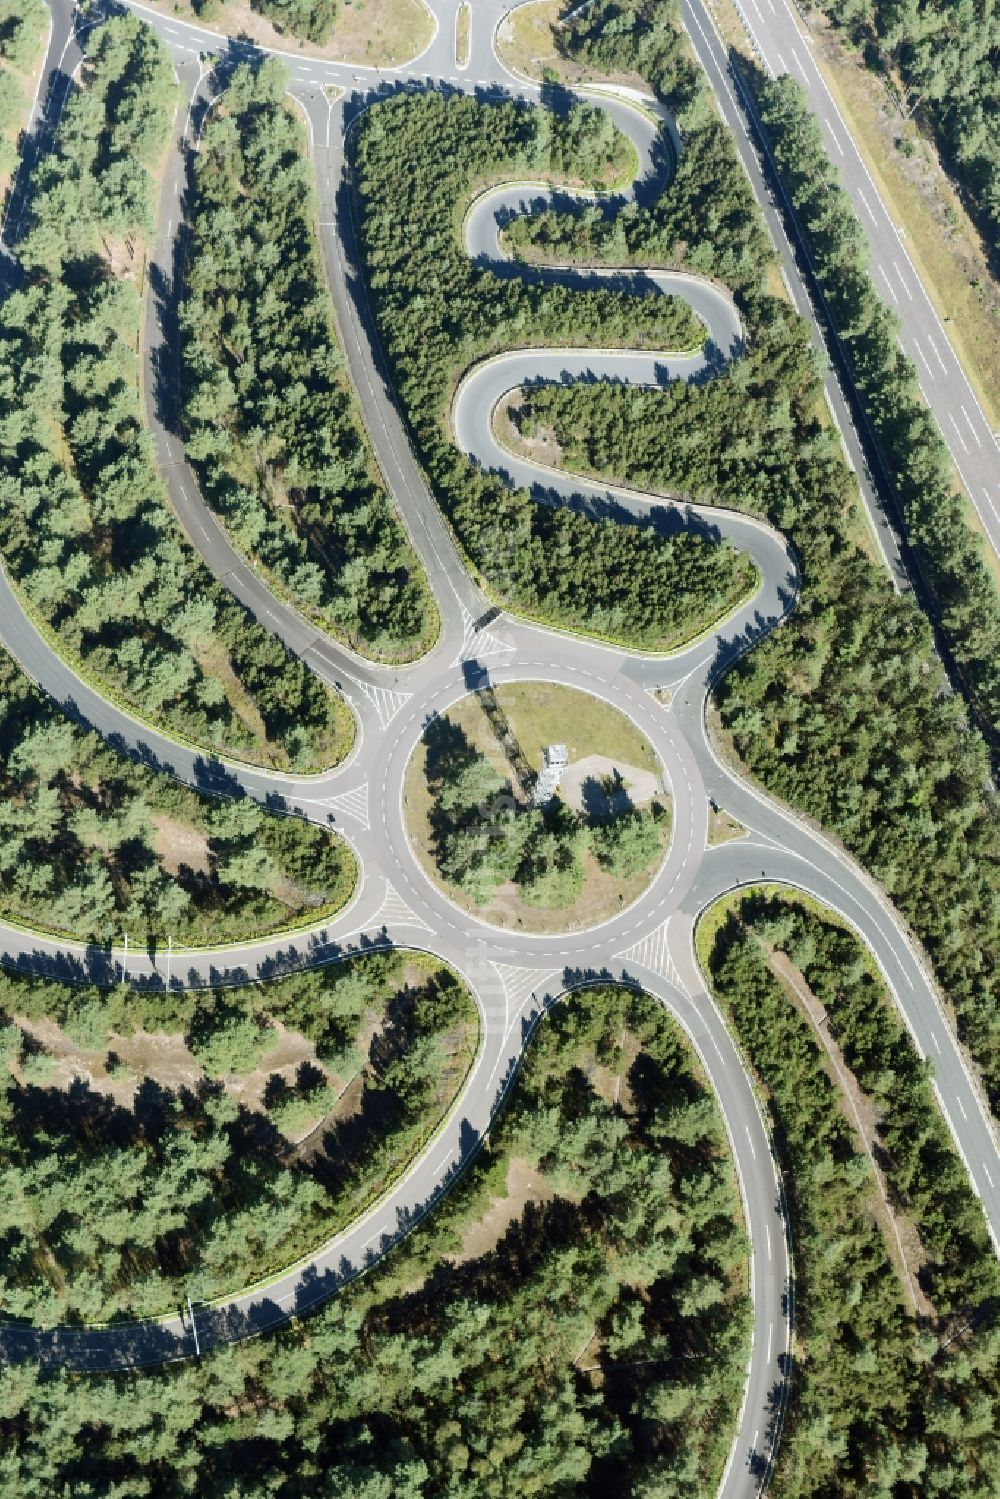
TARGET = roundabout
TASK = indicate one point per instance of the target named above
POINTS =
(644, 939)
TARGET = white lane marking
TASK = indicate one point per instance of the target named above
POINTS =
(750, 1139)
(972, 429)
(987, 1175)
(770, 1331)
(767, 1230)
(937, 1044)
(889, 286)
(799, 63)
(781, 61)
(923, 361)
(376, 1235)
(902, 279)
(958, 434)
(937, 356)
(834, 137)
(962, 1109)
(441, 1164)
(868, 207)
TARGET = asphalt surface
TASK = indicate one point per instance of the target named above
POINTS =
(780, 38)
(513, 976)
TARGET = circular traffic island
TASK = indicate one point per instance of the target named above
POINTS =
(538, 807)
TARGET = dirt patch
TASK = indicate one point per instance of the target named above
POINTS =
(177, 843)
(611, 1083)
(543, 448)
(601, 786)
(722, 828)
(373, 32)
(899, 1233)
(524, 1184)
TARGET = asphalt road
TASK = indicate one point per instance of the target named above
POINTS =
(514, 976)
(781, 41)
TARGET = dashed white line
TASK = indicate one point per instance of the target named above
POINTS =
(936, 353)
(767, 1230)
(962, 1109)
(958, 434)
(972, 429)
(987, 1175)
(889, 286)
(937, 1044)
(750, 1139)
(923, 361)
(376, 1235)
(868, 207)
(902, 279)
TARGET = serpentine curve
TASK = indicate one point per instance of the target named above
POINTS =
(513, 977)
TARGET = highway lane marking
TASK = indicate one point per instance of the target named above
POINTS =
(834, 137)
(767, 1230)
(902, 279)
(958, 433)
(987, 1175)
(962, 1108)
(441, 1164)
(379, 1232)
(972, 429)
(868, 208)
(770, 1331)
(937, 356)
(750, 1139)
(799, 63)
(889, 285)
(923, 361)
(781, 60)
(937, 1044)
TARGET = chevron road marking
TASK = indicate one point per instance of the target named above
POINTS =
(385, 701)
(652, 952)
(519, 984)
(352, 804)
(478, 643)
(395, 912)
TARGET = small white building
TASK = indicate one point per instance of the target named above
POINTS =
(555, 758)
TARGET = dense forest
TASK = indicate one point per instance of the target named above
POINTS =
(888, 1401)
(272, 424)
(85, 526)
(140, 1182)
(843, 711)
(950, 554)
(947, 57)
(95, 846)
(484, 836)
(419, 160)
(573, 1317)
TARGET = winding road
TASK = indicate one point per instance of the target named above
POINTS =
(514, 976)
